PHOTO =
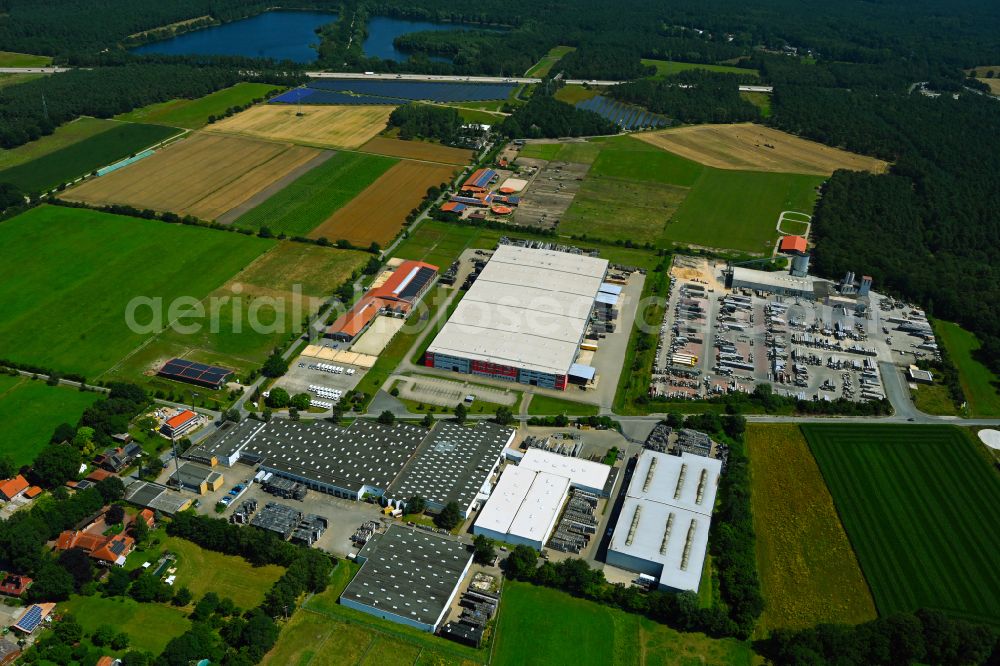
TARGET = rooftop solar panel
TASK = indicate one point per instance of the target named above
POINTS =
(32, 618)
(413, 287)
(193, 372)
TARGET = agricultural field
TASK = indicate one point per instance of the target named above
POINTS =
(30, 410)
(615, 208)
(276, 290)
(666, 68)
(195, 113)
(314, 196)
(921, 507)
(751, 147)
(808, 570)
(202, 571)
(372, 216)
(204, 175)
(149, 626)
(584, 633)
(418, 150)
(581, 152)
(545, 405)
(626, 158)
(11, 59)
(994, 85)
(65, 135)
(980, 386)
(542, 68)
(70, 273)
(81, 157)
(330, 126)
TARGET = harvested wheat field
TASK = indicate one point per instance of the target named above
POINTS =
(378, 213)
(205, 175)
(750, 147)
(418, 150)
(327, 126)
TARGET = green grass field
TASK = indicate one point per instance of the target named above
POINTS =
(574, 93)
(194, 113)
(761, 100)
(14, 79)
(667, 67)
(203, 571)
(541, 151)
(808, 571)
(630, 159)
(921, 507)
(149, 626)
(542, 68)
(65, 135)
(581, 152)
(316, 195)
(83, 157)
(980, 386)
(545, 405)
(69, 275)
(31, 410)
(616, 208)
(11, 59)
(934, 399)
(583, 633)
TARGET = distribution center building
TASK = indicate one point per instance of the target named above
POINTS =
(523, 319)
(408, 576)
(524, 507)
(662, 530)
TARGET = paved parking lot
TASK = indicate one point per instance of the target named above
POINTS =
(305, 372)
(446, 393)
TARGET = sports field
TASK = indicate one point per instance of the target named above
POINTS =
(313, 197)
(808, 570)
(668, 67)
(584, 633)
(922, 510)
(66, 134)
(84, 156)
(751, 147)
(69, 274)
(12, 59)
(542, 68)
(418, 150)
(31, 410)
(276, 291)
(980, 386)
(327, 126)
(149, 626)
(204, 175)
(378, 213)
(194, 113)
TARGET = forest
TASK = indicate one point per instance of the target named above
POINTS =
(424, 121)
(545, 116)
(694, 96)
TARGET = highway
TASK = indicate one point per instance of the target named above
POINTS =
(33, 70)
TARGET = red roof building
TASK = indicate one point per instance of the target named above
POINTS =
(32, 492)
(179, 423)
(98, 475)
(14, 585)
(148, 517)
(108, 550)
(398, 294)
(796, 244)
(11, 488)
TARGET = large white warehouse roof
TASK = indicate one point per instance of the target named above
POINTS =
(583, 474)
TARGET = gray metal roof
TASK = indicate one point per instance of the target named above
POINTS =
(453, 463)
(410, 573)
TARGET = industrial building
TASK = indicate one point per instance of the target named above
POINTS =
(523, 319)
(156, 497)
(525, 505)
(290, 524)
(196, 478)
(662, 529)
(453, 464)
(407, 284)
(408, 576)
(772, 282)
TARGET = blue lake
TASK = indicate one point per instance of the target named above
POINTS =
(286, 35)
(278, 35)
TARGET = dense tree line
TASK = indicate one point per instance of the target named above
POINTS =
(928, 230)
(694, 96)
(423, 121)
(545, 116)
(255, 546)
(923, 637)
(596, 60)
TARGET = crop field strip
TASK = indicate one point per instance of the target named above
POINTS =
(316, 195)
(83, 157)
(194, 113)
(70, 273)
(418, 150)
(323, 126)
(375, 216)
(808, 571)
(922, 509)
(64, 135)
(204, 175)
(751, 147)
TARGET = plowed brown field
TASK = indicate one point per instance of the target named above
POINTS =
(204, 175)
(328, 126)
(418, 150)
(378, 213)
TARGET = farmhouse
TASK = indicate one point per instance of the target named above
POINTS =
(116, 459)
(11, 488)
(523, 319)
(662, 530)
(14, 585)
(107, 550)
(407, 284)
(408, 576)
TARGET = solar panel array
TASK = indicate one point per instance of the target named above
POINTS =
(435, 91)
(197, 373)
(314, 96)
(417, 283)
(32, 618)
(626, 116)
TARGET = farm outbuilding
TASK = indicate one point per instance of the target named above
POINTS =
(408, 283)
